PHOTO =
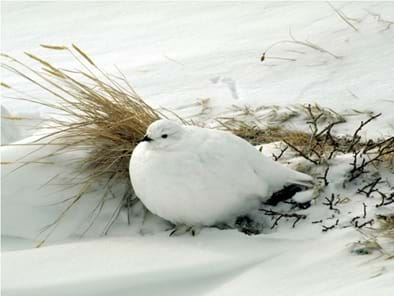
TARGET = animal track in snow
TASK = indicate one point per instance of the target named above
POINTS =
(229, 82)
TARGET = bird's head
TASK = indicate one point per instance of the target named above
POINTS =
(163, 134)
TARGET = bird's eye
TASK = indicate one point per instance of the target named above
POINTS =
(164, 136)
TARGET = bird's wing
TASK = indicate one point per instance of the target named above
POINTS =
(224, 152)
(235, 155)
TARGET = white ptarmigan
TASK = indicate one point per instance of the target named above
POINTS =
(200, 177)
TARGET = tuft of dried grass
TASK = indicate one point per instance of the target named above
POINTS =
(256, 135)
(100, 113)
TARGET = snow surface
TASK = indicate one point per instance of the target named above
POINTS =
(215, 263)
(175, 54)
(15, 128)
(9, 131)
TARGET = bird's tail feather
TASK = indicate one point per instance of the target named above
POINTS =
(302, 179)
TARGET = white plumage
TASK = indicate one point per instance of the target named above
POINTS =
(198, 176)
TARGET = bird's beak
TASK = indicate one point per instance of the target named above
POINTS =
(145, 139)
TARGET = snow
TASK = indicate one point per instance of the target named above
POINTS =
(15, 128)
(172, 60)
(175, 54)
(10, 132)
(218, 263)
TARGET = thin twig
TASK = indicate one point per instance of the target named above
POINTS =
(343, 16)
